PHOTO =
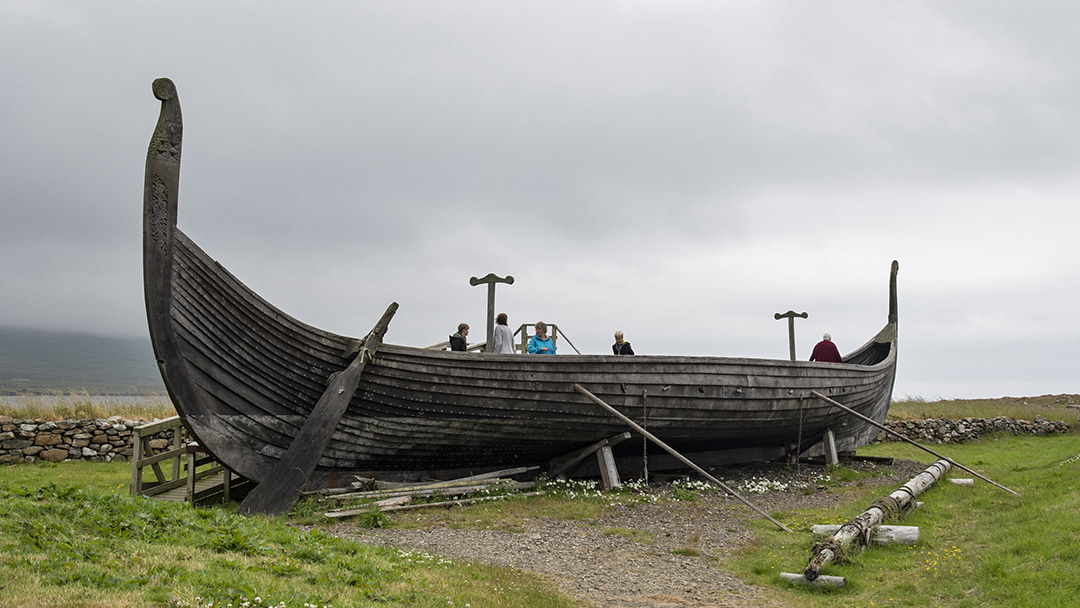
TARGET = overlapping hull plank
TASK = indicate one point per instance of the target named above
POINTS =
(245, 376)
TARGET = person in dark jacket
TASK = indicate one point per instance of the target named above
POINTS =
(621, 346)
(457, 341)
(826, 352)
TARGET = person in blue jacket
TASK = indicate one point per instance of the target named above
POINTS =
(541, 344)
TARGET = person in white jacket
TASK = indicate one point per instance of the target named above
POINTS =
(504, 338)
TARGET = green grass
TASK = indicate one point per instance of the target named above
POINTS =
(979, 546)
(71, 536)
(638, 536)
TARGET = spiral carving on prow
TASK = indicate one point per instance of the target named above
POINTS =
(164, 89)
(165, 144)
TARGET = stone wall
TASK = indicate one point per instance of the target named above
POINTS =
(945, 430)
(60, 440)
(108, 440)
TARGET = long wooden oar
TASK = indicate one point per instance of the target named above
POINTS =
(920, 446)
(278, 491)
(669, 450)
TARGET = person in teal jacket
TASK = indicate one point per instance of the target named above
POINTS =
(541, 344)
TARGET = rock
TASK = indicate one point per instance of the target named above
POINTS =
(54, 455)
(48, 439)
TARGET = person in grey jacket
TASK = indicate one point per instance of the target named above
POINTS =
(504, 338)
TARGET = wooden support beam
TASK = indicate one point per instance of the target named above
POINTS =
(446, 503)
(445, 487)
(560, 465)
(898, 435)
(829, 441)
(609, 473)
(278, 491)
(671, 451)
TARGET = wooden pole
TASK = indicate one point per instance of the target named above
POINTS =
(861, 529)
(920, 446)
(790, 316)
(671, 451)
(491, 280)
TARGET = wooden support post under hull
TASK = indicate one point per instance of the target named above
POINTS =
(558, 466)
(829, 440)
(609, 473)
(277, 492)
(671, 451)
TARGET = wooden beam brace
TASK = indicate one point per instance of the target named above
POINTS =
(560, 465)
(278, 491)
(609, 473)
(671, 451)
(898, 435)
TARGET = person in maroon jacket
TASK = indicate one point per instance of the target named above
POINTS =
(826, 352)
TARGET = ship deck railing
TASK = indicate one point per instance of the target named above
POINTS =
(522, 335)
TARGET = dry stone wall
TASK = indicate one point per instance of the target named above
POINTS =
(114, 438)
(61, 440)
(945, 430)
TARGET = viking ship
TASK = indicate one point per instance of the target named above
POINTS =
(254, 385)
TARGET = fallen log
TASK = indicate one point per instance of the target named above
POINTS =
(821, 581)
(883, 535)
(860, 530)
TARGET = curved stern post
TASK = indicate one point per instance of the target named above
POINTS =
(892, 292)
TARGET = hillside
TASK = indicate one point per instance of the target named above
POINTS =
(36, 361)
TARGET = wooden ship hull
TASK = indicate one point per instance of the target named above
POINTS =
(246, 378)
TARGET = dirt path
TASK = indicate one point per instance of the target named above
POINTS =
(636, 555)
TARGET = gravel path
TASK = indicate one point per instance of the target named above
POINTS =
(604, 564)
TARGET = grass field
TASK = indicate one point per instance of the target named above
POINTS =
(979, 546)
(70, 536)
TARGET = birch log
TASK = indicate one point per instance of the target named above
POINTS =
(860, 530)
(883, 535)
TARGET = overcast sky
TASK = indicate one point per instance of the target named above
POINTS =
(679, 170)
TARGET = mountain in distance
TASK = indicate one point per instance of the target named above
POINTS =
(34, 361)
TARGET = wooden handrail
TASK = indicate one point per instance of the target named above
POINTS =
(186, 457)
